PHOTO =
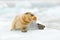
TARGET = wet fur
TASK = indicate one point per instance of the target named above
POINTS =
(23, 22)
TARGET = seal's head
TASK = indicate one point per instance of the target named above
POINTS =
(31, 16)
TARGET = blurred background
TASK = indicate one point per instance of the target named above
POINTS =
(47, 11)
(37, 5)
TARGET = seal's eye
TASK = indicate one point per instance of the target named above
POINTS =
(32, 15)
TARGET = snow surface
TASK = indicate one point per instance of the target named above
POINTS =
(49, 17)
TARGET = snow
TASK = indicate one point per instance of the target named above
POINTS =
(49, 17)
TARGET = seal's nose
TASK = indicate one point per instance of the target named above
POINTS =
(34, 18)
